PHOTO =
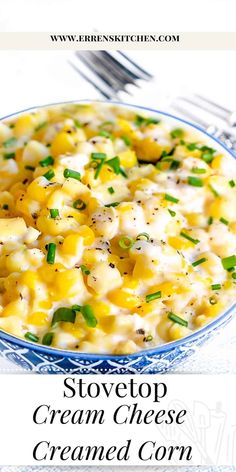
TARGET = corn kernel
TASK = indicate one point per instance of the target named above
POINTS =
(87, 234)
(63, 143)
(128, 159)
(68, 284)
(24, 125)
(72, 244)
(124, 299)
(38, 318)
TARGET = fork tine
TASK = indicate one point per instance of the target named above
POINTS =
(190, 115)
(202, 106)
(144, 73)
(88, 60)
(120, 68)
(90, 81)
(214, 104)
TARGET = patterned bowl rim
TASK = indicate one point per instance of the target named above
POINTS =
(146, 352)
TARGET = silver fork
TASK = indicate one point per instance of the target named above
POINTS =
(109, 72)
(225, 129)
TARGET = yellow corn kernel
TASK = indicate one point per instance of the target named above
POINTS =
(38, 318)
(126, 347)
(9, 227)
(166, 289)
(45, 304)
(39, 191)
(140, 184)
(93, 204)
(125, 207)
(176, 332)
(91, 256)
(56, 227)
(15, 307)
(107, 174)
(63, 143)
(72, 244)
(47, 272)
(73, 329)
(124, 299)
(128, 159)
(142, 271)
(107, 323)
(67, 283)
(201, 320)
(130, 282)
(150, 307)
(30, 279)
(24, 126)
(101, 309)
(178, 242)
(217, 162)
(125, 126)
(223, 208)
(87, 234)
(213, 310)
(195, 219)
(57, 199)
(149, 150)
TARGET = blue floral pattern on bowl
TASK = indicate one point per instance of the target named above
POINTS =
(43, 360)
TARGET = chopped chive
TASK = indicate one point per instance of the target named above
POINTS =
(177, 133)
(63, 314)
(213, 300)
(126, 242)
(169, 198)
(174, 164)
(49, 174)
(207, 157)
(224, 221)
(153, 296)
(231, 269)
(152, 121)
(9, 142)
(207, 149)
(199, 261)
(234, 275)
(126, 140)
(72, 174)
(195, 181)
(79, 204)
(198, 170)
(107, 123)
(114, 163)
(114, 204)
(172, 213)
(210, 220)
(122, 172)
(51, 253)
(143, 235)
(111, 190)
(5, 206)
(98, 169)
(47, 339)
(229, 262)
(105, 134)
(48, 161)
(98, 156)
(76, 307)
(41, 126)
(54, 212)
(192, 146)
(10, 155)
(177, 319)
(31, 337)
(29, 168)
(89, 316)
(85, 269)
(77, 123)
(139, 120)
(148, 338)
(189, 238)
(213, 191)
(232, 183)
(216, 286)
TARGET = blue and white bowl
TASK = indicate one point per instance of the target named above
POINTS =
(46, 360)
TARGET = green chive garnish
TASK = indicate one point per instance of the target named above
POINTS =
(199, 261)
(31, 337)
(172, 213)
(169, 198)
(177, 319)
(51, 253)
(232, 183)
(126, 242)
(174, 164)
(114, 204)
(85, 269)
(213, 191)
(79, 204)
(5, 206)
(207, 157)
(189, 238)
(41, 126)
(9, 142)
(192, 146)
(153, 296)
(229, 262)
(48, 161)
(126, 140)
(216, 286)
(72, 174)
(195, 181)
(10, 155)
(89, 316)
(98, 156)
(77, 123)
(177, 133)
(111, 190)
(198, 170)
(63, 314)
(49, 174)
(114, 163)
(54, 212)
(30, 168)
(210, 220)
(224, 221)
(47, 339)
(148, 338)
(234, 275)
(143, 235)
(105, 134)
